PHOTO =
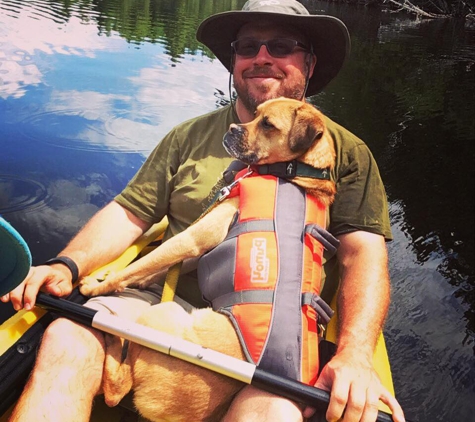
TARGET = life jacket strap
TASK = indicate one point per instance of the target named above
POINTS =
(329, 242)
(323, 310)
(264, 225)
(244, 296)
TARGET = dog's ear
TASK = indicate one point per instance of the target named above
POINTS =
(306, 129)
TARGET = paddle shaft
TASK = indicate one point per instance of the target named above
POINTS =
(192, 353)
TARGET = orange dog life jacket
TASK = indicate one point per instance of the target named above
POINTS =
(266, 275)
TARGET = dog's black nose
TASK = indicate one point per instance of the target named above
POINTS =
(235, 129)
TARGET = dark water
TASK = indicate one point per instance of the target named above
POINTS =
(87, 88)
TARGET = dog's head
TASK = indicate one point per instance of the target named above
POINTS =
(282, 130)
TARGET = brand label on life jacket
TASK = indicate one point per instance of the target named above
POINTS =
(259, 261)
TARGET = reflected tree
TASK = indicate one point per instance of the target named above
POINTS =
(168, 22)
(416, 111)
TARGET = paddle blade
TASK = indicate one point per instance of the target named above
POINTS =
(15, 258)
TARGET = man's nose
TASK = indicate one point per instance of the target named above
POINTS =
(263, 54)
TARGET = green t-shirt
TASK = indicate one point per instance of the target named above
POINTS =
(178, 177)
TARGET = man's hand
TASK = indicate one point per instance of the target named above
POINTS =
(363, 301)
(54, 279)
(355, 390)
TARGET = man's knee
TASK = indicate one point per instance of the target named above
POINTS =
(67, 340)
(252, 404)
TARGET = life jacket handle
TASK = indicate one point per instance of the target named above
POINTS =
(329, 242)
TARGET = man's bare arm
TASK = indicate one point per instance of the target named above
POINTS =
(362, 308)
(102, 239)
(364, 291)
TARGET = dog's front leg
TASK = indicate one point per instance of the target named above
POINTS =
(197, 239)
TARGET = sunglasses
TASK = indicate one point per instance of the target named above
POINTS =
(278, 47)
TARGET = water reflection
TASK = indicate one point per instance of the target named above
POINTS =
(88, 88)
(36, 29)
(131, 119)
(83, 105)
(409, 92)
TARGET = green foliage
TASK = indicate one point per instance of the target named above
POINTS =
(172, 23)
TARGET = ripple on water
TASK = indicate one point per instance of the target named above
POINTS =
(92, 130)
(20, 194)
(139, 131)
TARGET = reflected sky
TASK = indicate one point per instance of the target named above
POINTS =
(126, 104)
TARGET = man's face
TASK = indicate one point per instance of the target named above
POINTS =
(262, 77)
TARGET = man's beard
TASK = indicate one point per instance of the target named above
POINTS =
(250, 102)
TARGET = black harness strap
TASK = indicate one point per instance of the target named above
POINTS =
(291, 169)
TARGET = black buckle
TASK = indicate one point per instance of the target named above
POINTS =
(235, 167)
(287, 170)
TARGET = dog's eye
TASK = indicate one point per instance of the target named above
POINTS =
(266, 124)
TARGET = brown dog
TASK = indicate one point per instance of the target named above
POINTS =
(283, 130)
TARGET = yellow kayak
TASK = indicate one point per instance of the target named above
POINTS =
(20, 335)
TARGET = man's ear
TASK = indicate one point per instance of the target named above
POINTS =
(310, 62)
(306, 129)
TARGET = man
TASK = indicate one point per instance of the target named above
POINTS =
(278, 49)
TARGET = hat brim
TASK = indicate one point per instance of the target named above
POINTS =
(329, 37)
(15, 258)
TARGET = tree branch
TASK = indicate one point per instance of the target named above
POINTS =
(407, 5)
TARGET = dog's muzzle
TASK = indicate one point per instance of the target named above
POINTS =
(234, 144)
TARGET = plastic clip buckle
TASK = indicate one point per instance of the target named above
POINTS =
(224, 192)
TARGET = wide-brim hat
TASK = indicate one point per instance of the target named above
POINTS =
(15, 258)
(328, 35)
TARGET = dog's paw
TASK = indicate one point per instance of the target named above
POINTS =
(88, 286)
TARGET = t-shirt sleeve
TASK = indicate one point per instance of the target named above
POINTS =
(147, 195)
(360, 202)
